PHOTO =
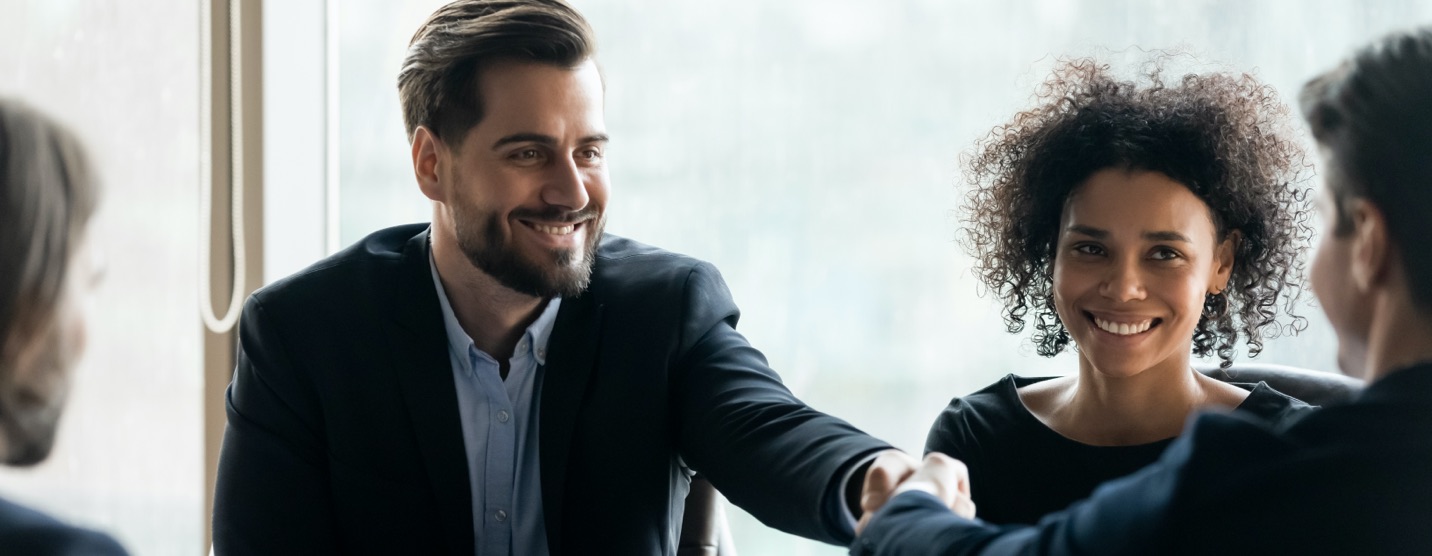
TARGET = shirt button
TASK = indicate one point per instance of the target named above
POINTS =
(500, 515)
(542, 353)
(503, 416)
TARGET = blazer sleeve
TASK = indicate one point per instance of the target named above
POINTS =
(1156, 510)
(767, 451)
(272, 493)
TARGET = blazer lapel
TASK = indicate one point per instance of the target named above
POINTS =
(572, 351)
(425, 376)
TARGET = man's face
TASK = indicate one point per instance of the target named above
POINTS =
(527, 188)
(1332, 282)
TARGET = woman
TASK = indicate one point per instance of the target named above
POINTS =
(1143, 222)
(46, 199)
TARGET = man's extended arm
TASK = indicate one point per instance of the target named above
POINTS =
(763, 448)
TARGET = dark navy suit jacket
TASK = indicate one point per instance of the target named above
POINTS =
(1347, 479)
(26, 532)
(344, 437)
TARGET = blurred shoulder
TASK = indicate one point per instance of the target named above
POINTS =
(25, 532)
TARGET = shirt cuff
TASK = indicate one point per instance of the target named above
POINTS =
(843, 518)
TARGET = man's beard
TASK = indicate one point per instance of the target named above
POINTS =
(31, 400)
(562, 272)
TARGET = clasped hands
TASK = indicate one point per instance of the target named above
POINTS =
(894, 472)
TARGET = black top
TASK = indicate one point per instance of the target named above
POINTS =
(1020, 469)
(26, 532)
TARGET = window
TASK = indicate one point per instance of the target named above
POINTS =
(809, 149)
(129, 459)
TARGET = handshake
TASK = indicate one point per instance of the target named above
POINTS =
(894, 472)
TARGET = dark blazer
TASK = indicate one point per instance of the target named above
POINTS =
(26, 532)
(343, 432)
(1354, 478)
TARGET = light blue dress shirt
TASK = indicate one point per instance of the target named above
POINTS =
(499, 432)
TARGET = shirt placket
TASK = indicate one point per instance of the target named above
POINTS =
(500, 462)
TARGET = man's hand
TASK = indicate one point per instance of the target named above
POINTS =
(889, 469)
(894, 472)
(945, 477)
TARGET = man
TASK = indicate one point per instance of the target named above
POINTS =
(510, 380)
(46, 199)
(1347, 479)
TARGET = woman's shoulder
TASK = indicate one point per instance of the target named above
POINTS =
(969, 419)
(27, 531)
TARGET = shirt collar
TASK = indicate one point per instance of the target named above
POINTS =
(459, 342)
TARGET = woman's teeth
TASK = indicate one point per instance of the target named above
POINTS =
(1123, 328)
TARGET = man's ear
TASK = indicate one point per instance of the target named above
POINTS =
(428, 155)
(1224, 259)
(1371, 257)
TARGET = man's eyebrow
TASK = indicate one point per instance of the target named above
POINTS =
(541, 139)
(1166, 236)
(1090, 231)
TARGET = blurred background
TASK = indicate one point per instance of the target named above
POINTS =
(809, 148)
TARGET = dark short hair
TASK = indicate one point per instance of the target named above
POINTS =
(1373, 113)
(1226, 137)
(438, 85)
(46, 199)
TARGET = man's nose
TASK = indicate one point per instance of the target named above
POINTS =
(566, 186)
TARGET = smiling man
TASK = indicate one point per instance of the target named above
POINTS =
(1346, 479)
(509, 379)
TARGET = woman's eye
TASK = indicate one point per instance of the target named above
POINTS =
(1164, 254)
(1088, 249)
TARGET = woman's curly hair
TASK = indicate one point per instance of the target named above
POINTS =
(1226, 137)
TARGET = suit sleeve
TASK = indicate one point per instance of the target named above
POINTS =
(272, 493)
(767, 451)
(1152, 511)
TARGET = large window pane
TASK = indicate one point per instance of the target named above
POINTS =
(125, 77)
(809, 149)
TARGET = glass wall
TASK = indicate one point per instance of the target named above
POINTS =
(809, 148)
(125, 77)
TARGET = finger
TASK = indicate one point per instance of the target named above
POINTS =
(964, 507)
(886, 472)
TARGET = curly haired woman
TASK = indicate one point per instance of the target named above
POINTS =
(1145, 222)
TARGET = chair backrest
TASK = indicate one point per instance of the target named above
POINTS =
(704, 531)
(1313, 387)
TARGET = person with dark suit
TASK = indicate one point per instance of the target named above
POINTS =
(509, 379)
(1345, 479)
(46, 200)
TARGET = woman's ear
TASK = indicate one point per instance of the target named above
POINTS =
(1224, 257)
(428, 152)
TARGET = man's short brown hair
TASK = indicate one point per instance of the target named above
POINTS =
(438, 85)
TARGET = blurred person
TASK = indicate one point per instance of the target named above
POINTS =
(46, 199)
(1143, 222)
(1344, 479)
(509, 379)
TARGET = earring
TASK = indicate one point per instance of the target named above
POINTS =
(1215, 305)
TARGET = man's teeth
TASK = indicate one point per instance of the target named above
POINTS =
(555, 230)
(1123, 328)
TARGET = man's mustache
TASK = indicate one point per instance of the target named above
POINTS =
(555, 214)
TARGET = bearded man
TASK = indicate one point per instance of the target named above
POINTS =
(509, 379)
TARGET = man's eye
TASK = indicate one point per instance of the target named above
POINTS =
(590, 154)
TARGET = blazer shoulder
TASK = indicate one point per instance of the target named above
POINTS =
(625, 265)
(350, 271)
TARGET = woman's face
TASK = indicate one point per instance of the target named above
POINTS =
(1137, 253)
